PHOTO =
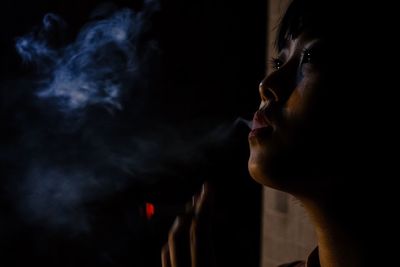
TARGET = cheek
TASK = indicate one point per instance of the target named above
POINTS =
(295, 111)
(294, 105)
(301, 102)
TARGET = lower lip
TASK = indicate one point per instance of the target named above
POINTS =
(260, 132)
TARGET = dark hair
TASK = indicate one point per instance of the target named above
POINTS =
(316, 17)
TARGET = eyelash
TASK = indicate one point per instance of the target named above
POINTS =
(276, 63)
(307, 56)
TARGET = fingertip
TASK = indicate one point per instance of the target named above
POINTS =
(207, 188)
(204, 201)
(164, 250)
(176, 223)
(207, 192)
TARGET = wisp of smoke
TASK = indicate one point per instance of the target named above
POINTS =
(57, 200)
(240, 120)
(99, 68)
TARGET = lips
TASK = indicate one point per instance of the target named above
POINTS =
(259, 121)
(261, 125)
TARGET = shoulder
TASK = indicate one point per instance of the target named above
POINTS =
(294, 264)
(312, 261)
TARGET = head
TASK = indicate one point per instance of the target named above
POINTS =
(306, 133)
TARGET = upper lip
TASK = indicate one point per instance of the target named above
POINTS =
(260, 120)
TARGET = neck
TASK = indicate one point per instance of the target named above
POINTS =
(339, 225)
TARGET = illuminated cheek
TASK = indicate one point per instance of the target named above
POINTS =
(294, 105)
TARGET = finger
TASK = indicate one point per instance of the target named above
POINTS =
(204, 202)
(202, 251)
(165, 257)
(179, 242)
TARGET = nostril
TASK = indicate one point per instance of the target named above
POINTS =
(267, 94)
(273, 94)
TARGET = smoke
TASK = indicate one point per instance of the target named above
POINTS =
(77, 140)
(247, 123)
(82, 133)
(99, 68)
(56, 201)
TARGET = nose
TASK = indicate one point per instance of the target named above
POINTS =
(279, 84)
(267, 93)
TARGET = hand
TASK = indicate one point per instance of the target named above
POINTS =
(189, 240)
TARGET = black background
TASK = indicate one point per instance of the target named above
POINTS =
(212, 59)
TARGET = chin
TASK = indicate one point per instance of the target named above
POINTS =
(261, 169)
(275, 170)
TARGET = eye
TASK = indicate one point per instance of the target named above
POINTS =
(276, 63)
(307, 56)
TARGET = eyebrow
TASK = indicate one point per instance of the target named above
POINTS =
(316, 42)
(282, 45)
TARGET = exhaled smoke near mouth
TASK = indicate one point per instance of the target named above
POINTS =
(248, 123)
(99, 68)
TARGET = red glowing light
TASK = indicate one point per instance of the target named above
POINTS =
(149, 210)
